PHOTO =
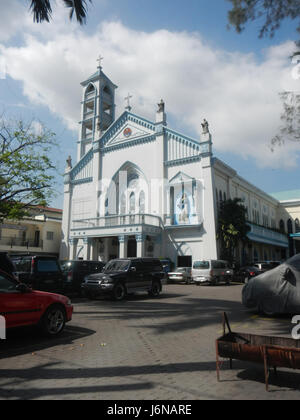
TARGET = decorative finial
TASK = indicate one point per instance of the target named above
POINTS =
(128, 107)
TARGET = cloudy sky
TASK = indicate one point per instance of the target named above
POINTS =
(179, 51)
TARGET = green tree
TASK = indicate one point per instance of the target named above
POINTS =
(232, 227)
(42, 10)
(26, 172)
(271, 12)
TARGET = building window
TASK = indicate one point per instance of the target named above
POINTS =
(50, 236)
(297, 226)
(281, 226)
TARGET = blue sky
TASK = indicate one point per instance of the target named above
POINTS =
(181, 51)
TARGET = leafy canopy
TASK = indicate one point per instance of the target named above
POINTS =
(26, 171)
(232, 227)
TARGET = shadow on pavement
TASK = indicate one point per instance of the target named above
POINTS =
(22, 341)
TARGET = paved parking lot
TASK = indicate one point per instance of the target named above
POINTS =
(143, 348)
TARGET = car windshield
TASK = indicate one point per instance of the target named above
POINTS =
(201, 265)
(182, 270)
(116, 265)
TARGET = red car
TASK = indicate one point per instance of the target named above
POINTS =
(21, 306)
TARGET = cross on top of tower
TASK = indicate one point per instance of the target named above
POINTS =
(128, 107)
(100, 59)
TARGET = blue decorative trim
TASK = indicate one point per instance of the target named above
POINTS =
(180, 137)
(117, 125)
(129, 143)
(82, 181)
(183, 161)
(81, 164)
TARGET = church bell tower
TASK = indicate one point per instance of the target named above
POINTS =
(97, 109)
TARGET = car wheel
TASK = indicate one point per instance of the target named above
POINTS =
(119, 292)
(54, 320)
(228, 281)
(155, 289)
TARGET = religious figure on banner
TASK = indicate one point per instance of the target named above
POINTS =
(183, 205)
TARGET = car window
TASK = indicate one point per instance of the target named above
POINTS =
(139, 266)
(47, 266)
(201, 265)
(96, 267)
(117, 265)
(6, 285)
(23, 265)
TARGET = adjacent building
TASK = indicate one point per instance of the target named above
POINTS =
(39, 233)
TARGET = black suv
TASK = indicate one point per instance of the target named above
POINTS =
(125, 276)
(39, 272)
(75, 271)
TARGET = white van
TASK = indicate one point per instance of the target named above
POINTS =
(211, 271)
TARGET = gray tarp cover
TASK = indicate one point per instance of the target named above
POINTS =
(277, 290)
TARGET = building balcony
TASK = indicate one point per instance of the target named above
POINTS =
(17, 244)
(128, 224)
(267, 236)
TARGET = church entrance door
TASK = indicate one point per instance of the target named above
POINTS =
(185, 261)
(131, 248)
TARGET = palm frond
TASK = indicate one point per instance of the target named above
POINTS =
(79, 7)
(41, 10)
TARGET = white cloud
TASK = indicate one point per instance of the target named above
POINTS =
(236, 93)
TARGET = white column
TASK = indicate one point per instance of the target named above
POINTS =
(140, 245)
(73, 248)
(87, 249)
(123, 241)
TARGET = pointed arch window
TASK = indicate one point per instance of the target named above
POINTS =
(142, 203)
(132, 203)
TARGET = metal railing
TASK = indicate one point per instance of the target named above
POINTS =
(19, 242)
(267, 234)
(118, 220)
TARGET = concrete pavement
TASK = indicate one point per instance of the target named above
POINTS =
(144, 349)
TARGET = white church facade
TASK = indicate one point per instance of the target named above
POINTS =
(139, 188)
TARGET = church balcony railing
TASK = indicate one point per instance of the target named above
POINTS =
(267, 236)
(118, 220)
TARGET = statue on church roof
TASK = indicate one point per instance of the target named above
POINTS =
(205, 127)
(161, 106)
(69, 162)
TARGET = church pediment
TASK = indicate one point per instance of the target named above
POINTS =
(128, 128)
(180, 178)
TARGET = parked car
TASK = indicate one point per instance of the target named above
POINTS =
(182, 274)
(39, 272)
(266, 265)
(75, 272)
(212, 272)
(124, 276)
(22, 306)
(7, 264)
(245, 274)
(275, 291)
